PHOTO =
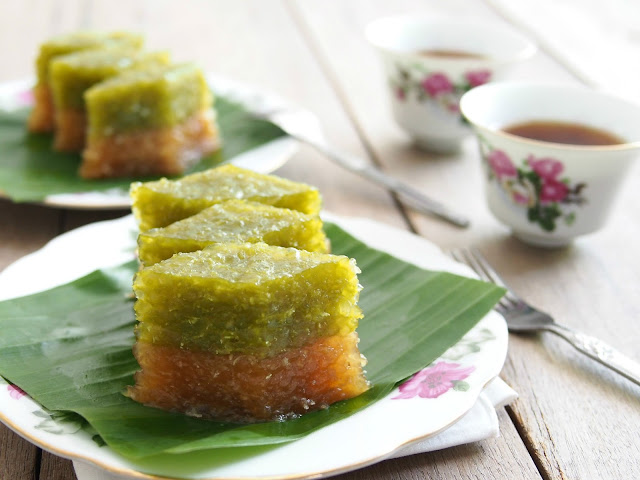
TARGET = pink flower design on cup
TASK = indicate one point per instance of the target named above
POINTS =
(501, 164)
(478, 77)
(553, 191)
(15, 392)
(434, 380)
(536, 185)
(437, 84)
(546, 168)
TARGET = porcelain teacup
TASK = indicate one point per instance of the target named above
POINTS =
(550, 193)
(429, 62)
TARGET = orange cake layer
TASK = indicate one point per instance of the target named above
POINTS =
(158, 151)
(42, 117)
(246, 388)
(71, 127)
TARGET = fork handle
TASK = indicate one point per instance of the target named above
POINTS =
(416, 199)
(599, 351)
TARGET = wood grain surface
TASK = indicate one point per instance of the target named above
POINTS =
(574, 419)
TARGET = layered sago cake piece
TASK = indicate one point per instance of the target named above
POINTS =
(247, 333)
(129, 112)
(70, 76)
(42, 117)
(234, 221)
(156, 121)
(162, 202)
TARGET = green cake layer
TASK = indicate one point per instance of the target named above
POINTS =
(246, 298)
(72, 75)
(151, 98)
(235, 221)
(162, 202)
(75, 42)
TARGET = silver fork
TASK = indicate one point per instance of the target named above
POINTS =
(522, 317)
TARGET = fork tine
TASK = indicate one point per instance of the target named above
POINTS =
(507, 303)
(494, 276)
(457, 255)
(502, 308)
(462, 255)
(479, 263)
(465, 256)
(474, 259)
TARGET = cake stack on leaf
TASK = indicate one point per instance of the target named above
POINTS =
(243, 332)
(127, 111)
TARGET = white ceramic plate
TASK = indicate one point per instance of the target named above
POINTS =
(264, 159)
(369, 436)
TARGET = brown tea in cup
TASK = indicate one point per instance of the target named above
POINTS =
(447, 53)
(563, 132)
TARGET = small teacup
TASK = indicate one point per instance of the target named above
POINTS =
(430, 62)
(549, 193)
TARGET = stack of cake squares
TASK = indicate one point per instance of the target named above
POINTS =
(127, 111)
(242, 314)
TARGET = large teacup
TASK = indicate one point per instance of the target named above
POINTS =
(549, 193)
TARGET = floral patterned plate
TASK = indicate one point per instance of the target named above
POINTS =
(264, 159)
(425, 405)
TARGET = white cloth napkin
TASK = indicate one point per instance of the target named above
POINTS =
(479, 423)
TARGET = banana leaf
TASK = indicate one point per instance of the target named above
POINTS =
(69, 348)
(30, 170)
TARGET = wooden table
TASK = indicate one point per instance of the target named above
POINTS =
(574, 419)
